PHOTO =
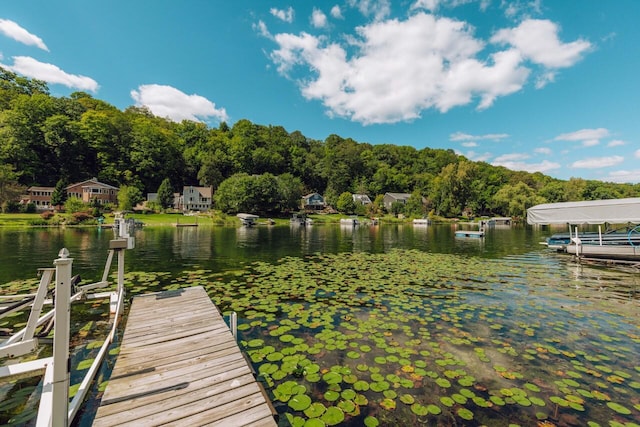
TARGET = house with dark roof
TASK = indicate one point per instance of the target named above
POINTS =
(313, 201)
(391, 198)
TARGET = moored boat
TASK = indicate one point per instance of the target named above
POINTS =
(248, 220)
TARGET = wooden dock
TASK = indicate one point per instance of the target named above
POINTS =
(179, 364)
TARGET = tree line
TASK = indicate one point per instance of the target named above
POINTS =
(46, 139)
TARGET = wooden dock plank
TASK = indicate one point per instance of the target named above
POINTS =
(180, 365)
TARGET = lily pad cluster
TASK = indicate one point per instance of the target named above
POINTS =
(408, 337)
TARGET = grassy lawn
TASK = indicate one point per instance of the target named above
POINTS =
(18, 220)
(166, 220)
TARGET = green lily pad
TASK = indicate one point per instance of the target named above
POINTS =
(299, 402)
(447, 401)
(419, 409)
(332, 378)
(333, 416)
(315, 410)
(465, 414)
(371, 422)
(407, 399)
(331, 395)
(85, 364)
(618, 408)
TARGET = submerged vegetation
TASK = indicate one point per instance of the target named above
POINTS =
(408, 337)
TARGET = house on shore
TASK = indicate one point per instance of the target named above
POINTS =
(313, 201)
(391, 198)
(91, 190)
(87, 191)
(362, 199)
(195, 198)
(39, 196)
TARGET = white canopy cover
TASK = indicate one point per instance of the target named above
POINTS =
(612, 211)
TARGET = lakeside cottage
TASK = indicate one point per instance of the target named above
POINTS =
(92, 189)
(87, 191)
(391, 198)
(313, 201)
(363, 199)
(195, 198)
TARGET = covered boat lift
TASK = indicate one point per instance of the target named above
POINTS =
(611, 211)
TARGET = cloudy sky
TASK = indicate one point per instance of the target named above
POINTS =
(549, 86)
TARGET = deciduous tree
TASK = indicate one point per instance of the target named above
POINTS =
(165, 194)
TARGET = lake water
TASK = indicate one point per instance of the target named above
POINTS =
(392, 324)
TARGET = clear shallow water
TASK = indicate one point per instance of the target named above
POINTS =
(498, 327)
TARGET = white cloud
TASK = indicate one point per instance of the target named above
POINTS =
(637, 154)
(285, 15)
(167, 101)
(318, 18)
(379, 9)
(469, 144)
(512, 157)
(392, 70)
(616, 143)
(50, 73)
(336, 12)
(537, 40)
(262, 29)
(545, 78)
(624, 176)
(460, 136)
(16, 32)
(477, 157)
(588, 137)
(433, 5)
(598, 162)
(400, 68)
(430, 5)
(518, 165)
(542, 150)
(521, 9)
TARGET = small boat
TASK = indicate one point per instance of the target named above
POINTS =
(248, 220)
(422, 221)
(618, 236)
(300, 219)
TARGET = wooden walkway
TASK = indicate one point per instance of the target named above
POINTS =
(180, 365)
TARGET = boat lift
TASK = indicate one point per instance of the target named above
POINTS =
(55, 409)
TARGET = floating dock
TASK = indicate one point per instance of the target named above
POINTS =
(179, 364)
(469, 233)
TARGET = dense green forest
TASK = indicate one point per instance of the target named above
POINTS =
(45, 140)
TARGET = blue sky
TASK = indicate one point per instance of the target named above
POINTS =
(530, 85)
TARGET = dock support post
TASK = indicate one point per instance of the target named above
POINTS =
(60, 385)
(233, 320)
